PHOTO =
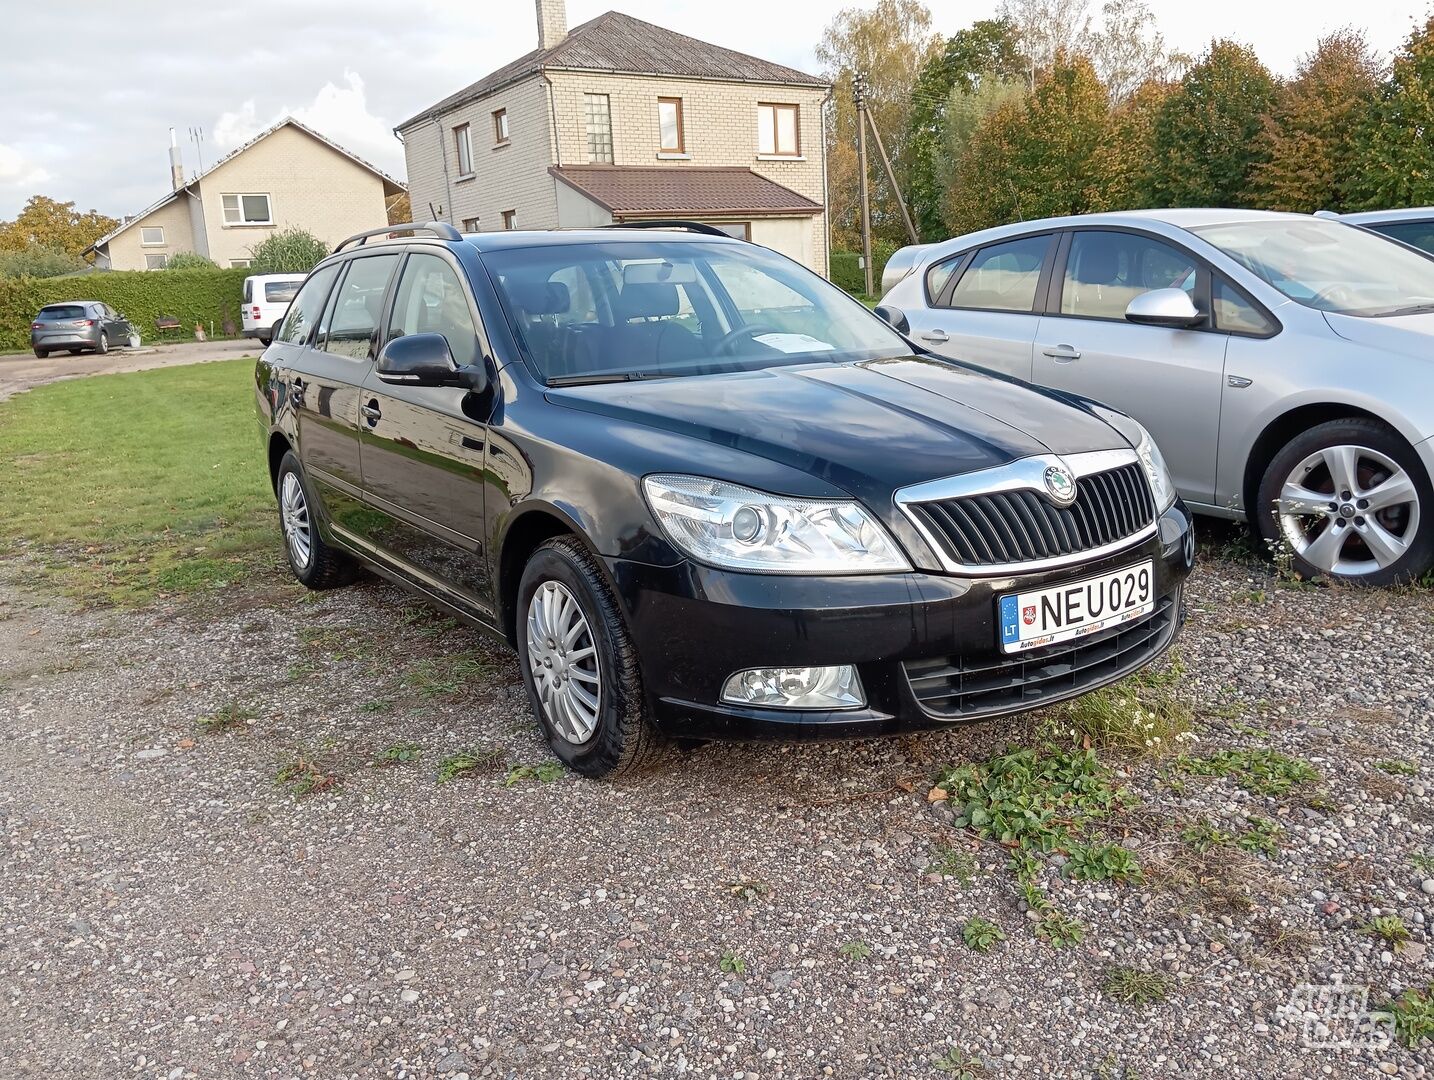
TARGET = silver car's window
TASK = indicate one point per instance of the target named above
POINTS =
(1105, 271)
(1418, 233)
(939, 276)
(1235, 314)
(1003, 277)
(1329, 266)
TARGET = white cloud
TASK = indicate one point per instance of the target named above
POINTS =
(16, 170)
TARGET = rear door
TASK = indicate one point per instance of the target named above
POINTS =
(981, 306)
(1169, 380)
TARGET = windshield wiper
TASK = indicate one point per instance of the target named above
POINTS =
(1412, 309)
(608, 377)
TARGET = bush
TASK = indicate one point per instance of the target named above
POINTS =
(191, 296)
(190, 260)
(847, 272)
(38, 262)
(291, 251)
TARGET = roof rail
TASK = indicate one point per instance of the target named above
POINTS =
(438, 228)
(672, 223)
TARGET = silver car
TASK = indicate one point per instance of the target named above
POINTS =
(1283, 363)
(1414, 226)
(78, 326)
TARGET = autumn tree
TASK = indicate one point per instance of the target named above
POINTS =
(398, 208)
(1046, 29)
(890, 44)
(47, 224)
(1393, 156)
(1206, 138)
(1128, 50)
(1309, 140)
(1121, 166)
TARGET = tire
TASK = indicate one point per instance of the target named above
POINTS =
(1349, 500)
(264, 342)
(42, 353)
(620, 738)
(104, 343)
(313, 562)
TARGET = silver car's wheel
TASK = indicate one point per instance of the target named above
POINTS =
(294, 513)
(104, 344)
(1349, 510)
(564, 661)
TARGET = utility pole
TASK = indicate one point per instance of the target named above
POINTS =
(858, 90)
(891, 179)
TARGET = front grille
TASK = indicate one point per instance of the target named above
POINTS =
(956, 687)
(1022, 526)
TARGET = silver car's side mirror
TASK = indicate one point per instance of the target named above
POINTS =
(1171, 308)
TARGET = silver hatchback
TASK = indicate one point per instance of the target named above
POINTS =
(1283, 363)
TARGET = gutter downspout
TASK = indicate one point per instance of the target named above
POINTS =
(826, 189)
(555, 144)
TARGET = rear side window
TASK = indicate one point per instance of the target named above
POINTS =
(939, 276)
(248, 290)
(1235, 314)
(303, 313)
(1105, 271)
(281, 292)
(56, 312)
(1003, 277)
(357, 305)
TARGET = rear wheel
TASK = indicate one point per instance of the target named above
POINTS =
(316, 564)
(42, 353)
(1349, 500)
(579, 664)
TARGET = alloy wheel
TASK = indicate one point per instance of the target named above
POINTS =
(1349, 510)
(294, 512)
(104, 345)
(563, 657)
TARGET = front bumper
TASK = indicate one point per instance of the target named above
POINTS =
(694, 626)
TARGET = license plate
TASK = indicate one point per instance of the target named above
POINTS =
(1058, 613)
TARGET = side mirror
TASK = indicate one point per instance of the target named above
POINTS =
(424, 360)
(894, 317)
(1171, 308)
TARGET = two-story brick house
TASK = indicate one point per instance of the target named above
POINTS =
(618, 120)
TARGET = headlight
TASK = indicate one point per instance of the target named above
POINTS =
(738, 528)
(1161, 485)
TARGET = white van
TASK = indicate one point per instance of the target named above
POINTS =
(266, 298)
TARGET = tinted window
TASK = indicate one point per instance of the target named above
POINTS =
(1003, 277)
(303, 313)
(356, 307)
(1107, 270)
(431, 300)
(1235, 313)
(61, 311)
(1418, 233)
(280, 292)
(939, 276)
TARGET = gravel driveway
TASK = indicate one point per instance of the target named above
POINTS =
(22, 371)
(169, 908)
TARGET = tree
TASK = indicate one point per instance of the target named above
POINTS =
(1121, 167)
(291, 251)
(890, 43)
(985, 52)
(1309, 140)
(55, 226)
(1394, 158)
(1046, 29)
(1128, 51)
(1206, 135)
(190, 260)
(400, 210)
(38, 262)
(1033, 157)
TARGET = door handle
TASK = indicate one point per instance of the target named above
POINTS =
(936, 337)
(296, 392)
(1063, 354)
(371, 412)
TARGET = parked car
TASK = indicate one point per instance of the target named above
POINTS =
(78, 326)
(1282, 362)
(704, 493)
(1414, 227)
(266, 299)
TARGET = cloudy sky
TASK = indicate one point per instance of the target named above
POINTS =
(89, 119)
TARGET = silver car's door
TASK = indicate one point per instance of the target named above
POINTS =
(1171, 380)
(980, 306)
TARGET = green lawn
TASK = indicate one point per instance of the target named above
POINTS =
(132, 486)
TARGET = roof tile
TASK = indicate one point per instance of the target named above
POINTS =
(657, 191)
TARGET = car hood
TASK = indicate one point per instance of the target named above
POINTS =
(1406, 334)
(867, 428)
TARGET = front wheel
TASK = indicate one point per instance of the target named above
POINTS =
(579, 664)
(1349, 500)
(104, 344)
(312, 560)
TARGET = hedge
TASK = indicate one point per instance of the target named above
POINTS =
(848, 274)
(191, 296)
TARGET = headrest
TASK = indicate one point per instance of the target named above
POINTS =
(539, 297)
(1100, 265)
(647, 301)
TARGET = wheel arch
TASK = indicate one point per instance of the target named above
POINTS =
(279, 445)
(526, 530)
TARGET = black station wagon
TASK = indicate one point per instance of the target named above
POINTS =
(705, 494)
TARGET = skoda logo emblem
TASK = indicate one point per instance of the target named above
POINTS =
(1061, 484)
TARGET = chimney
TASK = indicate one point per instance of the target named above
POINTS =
(552, 23)
(176, 163)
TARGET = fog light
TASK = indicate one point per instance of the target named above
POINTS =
(796, 688)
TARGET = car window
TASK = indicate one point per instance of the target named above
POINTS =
(304, 312)
(1105, 271)
(61, 311)
(939, 276)
(248, 290)
(1420, 234)
(1003, 277)
(280, 292)
(431, 300)
(1236, 314)
(356, 307)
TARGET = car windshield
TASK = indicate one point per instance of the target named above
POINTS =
(60, 311)
(626, 309)
(281, 292)
(1329, 266)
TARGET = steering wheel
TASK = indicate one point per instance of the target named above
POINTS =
(751, 330)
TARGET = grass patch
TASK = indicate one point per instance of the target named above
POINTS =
(854, 950)
(981, 934)
(465, 762)
(1397, 767)
(133, 486)
(1141, 715)
(1423, 863)
(446, 676)
(400, 753)
(952, 862)
(1261, 838)
(303, 776)
(1130, 986)
(1264, 772)
(1413, 1013)
(227, 718)
(1202, 836)
(546, 772)
(1102, 862)
(959, 1065)
(732, 964)
(1389, 929)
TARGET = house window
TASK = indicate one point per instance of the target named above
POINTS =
(500, 126)
(510, 219)
(151, 235)
(238, 262)
(470, 224)
(669, 125)
(464, 146)
(247, 210)
(778, 132)
(598, 113)
(156, 262)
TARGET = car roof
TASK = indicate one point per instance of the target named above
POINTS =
(509, 240)
(67, 303)
(1369, 217)
(295, 276)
